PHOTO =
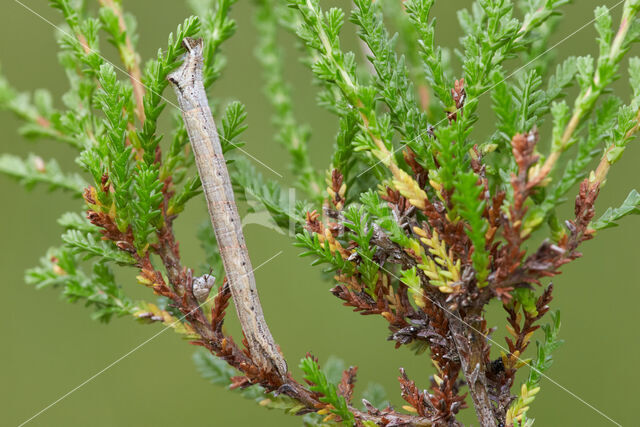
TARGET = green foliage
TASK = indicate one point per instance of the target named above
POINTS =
(527, 298)
(113, 99)
(33, 170)
(575, 169)
(631, 205)
(41, 119)
(155, 80)
(539, 365)
(293, 136)
(217, 27)
(267, 196)
(123, 38)
(323, 253)
(60, 268)
(393, 83)
(320, 384)
(343, 154)
(320, 33)
(89, 245)
(232, 126)
(74, 221)
(407, 38)
(472, 209)
(131, 180)
(549, 344)
(412, 189)
(358, 222)
(432, 54)
(384, 217)
(148, 216)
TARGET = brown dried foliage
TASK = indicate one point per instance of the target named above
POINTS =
(523, 331)
(413, 396)
(337, 180)
(456, 335)
(509, 256)
(459, 97)
(348, 382)
(353, 293)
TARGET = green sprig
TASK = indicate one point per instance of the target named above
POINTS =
(320, 384)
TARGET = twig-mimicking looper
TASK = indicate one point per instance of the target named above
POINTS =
(192, 98)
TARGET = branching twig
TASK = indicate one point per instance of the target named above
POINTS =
(472, 346)
(130, 59)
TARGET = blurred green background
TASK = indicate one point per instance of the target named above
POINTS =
(50, 347)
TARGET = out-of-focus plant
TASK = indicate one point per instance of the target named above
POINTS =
(423, 221)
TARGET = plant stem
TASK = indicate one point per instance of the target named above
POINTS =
(130, 59)
(600, 173)
(583, 109)
(216, 183)
(471, 348)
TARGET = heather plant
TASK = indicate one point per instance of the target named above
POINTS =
(418, 217)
